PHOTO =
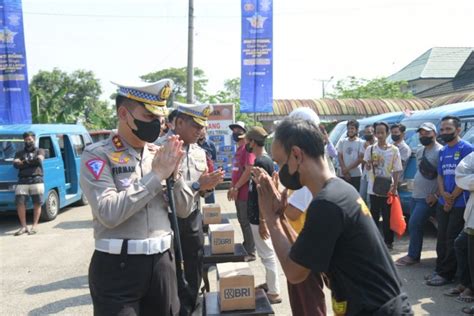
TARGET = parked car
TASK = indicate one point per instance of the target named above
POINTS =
(63, 145)
(465, 111)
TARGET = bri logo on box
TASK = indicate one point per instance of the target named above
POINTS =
(236, 293)
(222, 241)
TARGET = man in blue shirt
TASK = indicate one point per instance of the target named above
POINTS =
(452, 200)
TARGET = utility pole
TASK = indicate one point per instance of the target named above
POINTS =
(190, 68)
(324, 82)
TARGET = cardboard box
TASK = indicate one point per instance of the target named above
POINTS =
(221, 238)
(211, 214)
(236, 286)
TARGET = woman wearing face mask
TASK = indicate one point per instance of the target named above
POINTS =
(339, 237)
(425, 191)
(239, 191)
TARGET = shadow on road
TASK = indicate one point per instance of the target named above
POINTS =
(80, 282)
(75, 225)
(58, 306)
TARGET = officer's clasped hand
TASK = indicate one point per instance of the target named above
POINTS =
(168, 157)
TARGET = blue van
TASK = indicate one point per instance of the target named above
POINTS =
(340, 130)
(63, 145)
(465, 111)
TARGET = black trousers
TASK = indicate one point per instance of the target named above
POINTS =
(378, 206)
(461, 247)
(192, 243)
(450, 225)
(130, 285)
(355, 182)
(470, 253)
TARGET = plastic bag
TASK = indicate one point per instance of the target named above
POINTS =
(397, 220)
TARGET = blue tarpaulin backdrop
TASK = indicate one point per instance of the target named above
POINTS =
(256, 86)
(14, 95)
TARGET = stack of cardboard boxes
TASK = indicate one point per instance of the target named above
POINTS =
(236, 284)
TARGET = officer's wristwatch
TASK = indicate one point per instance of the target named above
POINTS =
(196, 186)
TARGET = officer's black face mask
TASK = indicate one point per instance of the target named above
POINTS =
(146, 131)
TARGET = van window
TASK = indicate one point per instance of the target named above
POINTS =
(9, 145)
(78, 143)
(469, 136)
(46, 143)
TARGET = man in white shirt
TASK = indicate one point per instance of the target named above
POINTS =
(351, 154)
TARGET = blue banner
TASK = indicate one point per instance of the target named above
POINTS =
(14, 95)
(256, 84)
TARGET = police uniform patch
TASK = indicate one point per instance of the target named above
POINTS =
(119, 157)
(126, 182)
(118, 144)
(96, 166)
(363, 207)
(339, 308)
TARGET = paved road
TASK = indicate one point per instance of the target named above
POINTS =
(47, 273)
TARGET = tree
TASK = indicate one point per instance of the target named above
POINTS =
(59, 97)
(231, 94)
(356, 88)
(178, 75)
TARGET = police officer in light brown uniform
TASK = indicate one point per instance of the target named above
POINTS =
(132, 271)
(189, 123)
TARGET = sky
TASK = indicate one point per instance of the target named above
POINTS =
(120, 40)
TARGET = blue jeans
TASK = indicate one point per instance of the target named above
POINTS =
(420, 212)
(363, 189)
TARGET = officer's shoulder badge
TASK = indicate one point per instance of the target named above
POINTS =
(118, 144)
(95, 166)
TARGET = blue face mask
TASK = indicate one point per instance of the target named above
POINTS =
(290, 181)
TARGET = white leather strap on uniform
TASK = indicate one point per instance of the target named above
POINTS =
(148, 246)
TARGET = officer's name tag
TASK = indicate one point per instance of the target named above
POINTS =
(123, 169)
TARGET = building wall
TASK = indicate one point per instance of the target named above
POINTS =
(419, 85)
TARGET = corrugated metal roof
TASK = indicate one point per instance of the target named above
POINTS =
(437, 62)
(348, 107)
(453, 98)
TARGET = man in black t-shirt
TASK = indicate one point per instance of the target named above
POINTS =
(30, 182)
(255, 141)
(339, 237)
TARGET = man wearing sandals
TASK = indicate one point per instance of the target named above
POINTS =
(424, 191)
(452, 200)
(29, 162)
(464, 244)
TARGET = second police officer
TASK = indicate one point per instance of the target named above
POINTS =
(190, 121)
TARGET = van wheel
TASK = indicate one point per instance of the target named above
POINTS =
(50, 207)
(83, 201)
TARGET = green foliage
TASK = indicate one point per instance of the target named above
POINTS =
(231, 94)
(356, 88)
(59, 97)
(178, 75)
